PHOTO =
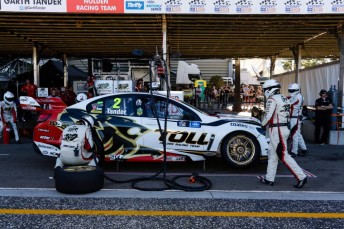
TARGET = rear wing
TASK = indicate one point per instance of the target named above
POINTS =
(39, 104)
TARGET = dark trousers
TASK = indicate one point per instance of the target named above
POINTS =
(325, 125)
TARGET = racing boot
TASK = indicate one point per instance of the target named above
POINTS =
(265, 181)
(301, 183)
(292, 154)
(303, 152)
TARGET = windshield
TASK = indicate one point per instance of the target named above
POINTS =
(189, 105)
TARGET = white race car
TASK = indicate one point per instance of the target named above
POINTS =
(129, 126)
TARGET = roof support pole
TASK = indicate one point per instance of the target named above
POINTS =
(340, 41)
(296, 50)
(65, 70)
(165, 54)
(35, 64)
(237, 98)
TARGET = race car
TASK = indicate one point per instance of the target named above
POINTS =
(131, 126)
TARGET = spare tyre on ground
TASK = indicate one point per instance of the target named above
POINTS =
(79, 179)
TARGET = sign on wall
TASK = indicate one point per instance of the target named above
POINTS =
(176, 6)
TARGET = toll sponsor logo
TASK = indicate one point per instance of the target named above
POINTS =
(221, 6)
(173, 6)
(134, 5)
(70, 137)
(43, 130)
(185, 138)
(244, 6)
(197, 6)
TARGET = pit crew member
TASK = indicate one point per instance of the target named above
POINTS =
(276, 117)
(8, 111)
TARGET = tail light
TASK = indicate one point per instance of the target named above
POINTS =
(43, 117)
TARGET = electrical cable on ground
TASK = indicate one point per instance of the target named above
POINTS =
(197, 183)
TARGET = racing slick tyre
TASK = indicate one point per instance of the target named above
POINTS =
(79, 179)
(240, 149)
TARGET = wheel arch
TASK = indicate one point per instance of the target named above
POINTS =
(251, 136)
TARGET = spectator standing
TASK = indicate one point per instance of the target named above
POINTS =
(252, 96)
(91, 88)
(323, 112)
(221, 98)
(198, 96)
(246, 96)
(296, 103)
(276, 119)
(226, 94)
(259, 96)
(29, 89)
(215, 95)
(68, 97)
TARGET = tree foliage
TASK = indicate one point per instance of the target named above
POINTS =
(216, 81)
(306, 63)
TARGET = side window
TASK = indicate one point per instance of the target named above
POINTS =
(175, 111)
(96, 107)
(119, 105)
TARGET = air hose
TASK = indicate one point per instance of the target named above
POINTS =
(195, 182)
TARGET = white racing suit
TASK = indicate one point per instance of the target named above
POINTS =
(297, 141)
(76, 146)
(9, 115)
(276, 117)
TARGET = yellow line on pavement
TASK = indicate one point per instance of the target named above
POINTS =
(170, 213)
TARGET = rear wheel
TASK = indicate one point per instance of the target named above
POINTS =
(240, 149)
(79, 179)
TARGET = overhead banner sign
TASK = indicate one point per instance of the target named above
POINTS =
(230, 7)
(95, 6)
(27, 6)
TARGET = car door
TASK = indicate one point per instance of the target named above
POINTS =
(118, 128)
(184, 130)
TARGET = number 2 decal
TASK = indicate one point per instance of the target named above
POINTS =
(117, 101)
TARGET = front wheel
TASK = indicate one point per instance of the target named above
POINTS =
(240, 149)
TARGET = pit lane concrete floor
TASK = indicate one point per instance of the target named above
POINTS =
(28, 198)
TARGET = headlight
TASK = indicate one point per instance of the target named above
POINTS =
(261, 130)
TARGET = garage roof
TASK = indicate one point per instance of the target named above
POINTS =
(189, 36)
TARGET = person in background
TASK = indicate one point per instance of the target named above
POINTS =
(68, 97)
(29, 89)
(323, 112)
(53, 94)
(198, 93)
(8, 112)
(91, 88)
(246, 96)
(221, 96)
(296, 103)
(259, 96)
(252, 98)
(276, 119)
(226, 94)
